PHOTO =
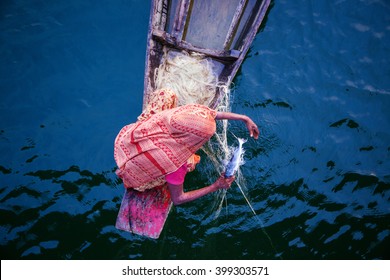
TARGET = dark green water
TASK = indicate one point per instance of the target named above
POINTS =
(316, 80)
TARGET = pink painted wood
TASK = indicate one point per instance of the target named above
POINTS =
(144, 213)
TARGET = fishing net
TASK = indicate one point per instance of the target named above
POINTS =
(192, 77)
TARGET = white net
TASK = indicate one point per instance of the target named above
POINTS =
(192, 78)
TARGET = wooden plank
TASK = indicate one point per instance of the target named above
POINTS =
(160, 14)
(255, 25)
(234, 25)
(247, 41)
(154, 50)
(144, 213)
(230, 70)
(171, 41)
(181, 19)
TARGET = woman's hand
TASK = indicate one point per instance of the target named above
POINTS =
(224, 183)
(178, 195)
(252, 128)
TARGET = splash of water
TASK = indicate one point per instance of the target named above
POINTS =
(192, 78)
(218, 151)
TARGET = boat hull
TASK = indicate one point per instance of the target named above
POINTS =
(187, 25)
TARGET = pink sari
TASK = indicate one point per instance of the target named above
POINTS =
(160, 142)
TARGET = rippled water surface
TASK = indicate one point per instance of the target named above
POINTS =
(316, 80)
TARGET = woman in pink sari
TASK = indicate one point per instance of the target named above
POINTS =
(160, 147)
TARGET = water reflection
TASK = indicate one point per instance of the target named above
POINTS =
(318, 179)
(57, 212)
(70, 214)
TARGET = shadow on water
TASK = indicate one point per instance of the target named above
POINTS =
(59, 214)
(70, 214)
(320, 225)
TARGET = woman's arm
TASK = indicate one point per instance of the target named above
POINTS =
(178, 195)
(252, 127)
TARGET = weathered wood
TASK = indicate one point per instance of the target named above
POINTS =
(158, 39)
(167, 39)
(160, 14)
(235, 22)
(247, 40)
(145, 213)
(180, 19)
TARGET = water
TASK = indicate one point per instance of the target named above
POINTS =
(316, 81)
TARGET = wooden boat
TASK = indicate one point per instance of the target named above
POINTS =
(221, 31)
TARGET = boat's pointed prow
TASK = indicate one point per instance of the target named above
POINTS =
(221, 32)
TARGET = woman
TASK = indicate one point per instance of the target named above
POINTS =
(159, 148)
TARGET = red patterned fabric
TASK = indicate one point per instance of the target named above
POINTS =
(149, 149)
(159, 100)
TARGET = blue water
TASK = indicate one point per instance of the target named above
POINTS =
(316, 81)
